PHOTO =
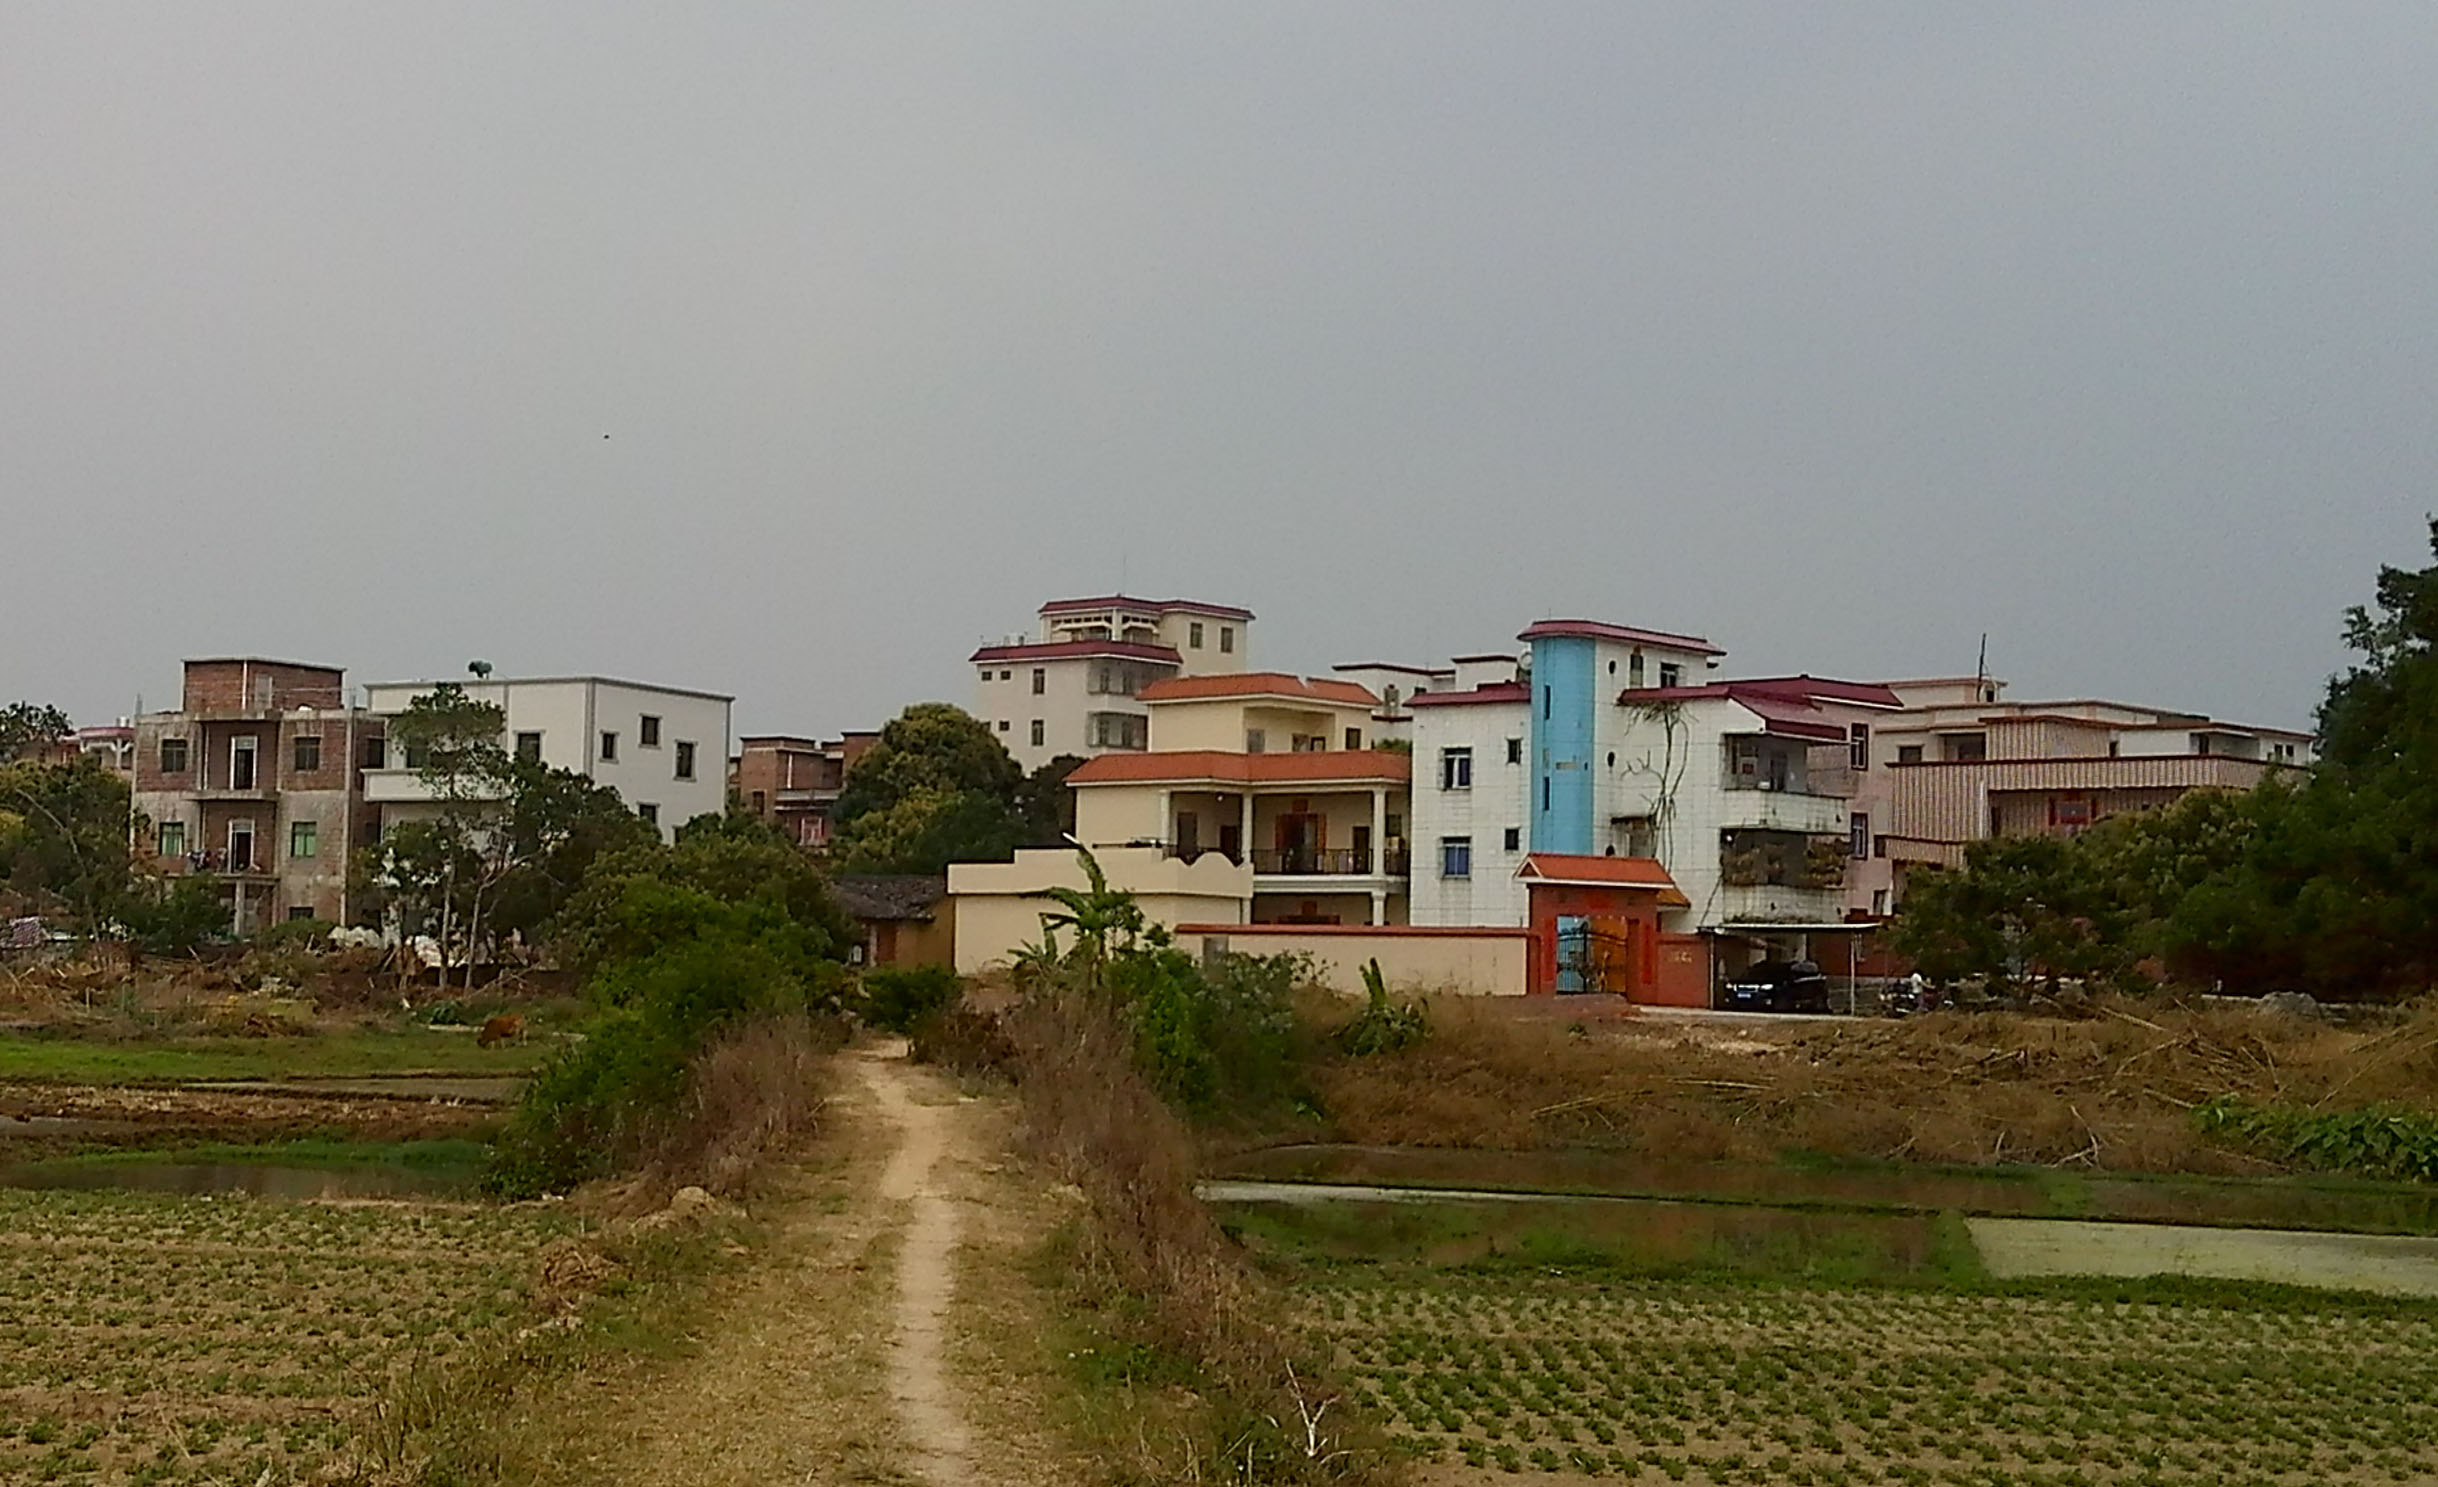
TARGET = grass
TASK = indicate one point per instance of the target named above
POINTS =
(150, 1339)
(409, 1050)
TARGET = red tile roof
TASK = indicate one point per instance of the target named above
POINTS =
(1257, 684)
(1351, 766)
(1487, 692)
(1604, 872)
(1062, 650)
(1157, 606)
(1595, 630)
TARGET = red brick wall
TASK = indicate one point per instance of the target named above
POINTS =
(238, 686)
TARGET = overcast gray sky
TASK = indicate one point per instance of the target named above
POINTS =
(791, 350)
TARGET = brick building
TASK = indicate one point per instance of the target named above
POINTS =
(257, 778)
(792, 783)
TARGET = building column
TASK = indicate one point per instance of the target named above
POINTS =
(1244, 828)
(1379, 839)
(1379, 906)
(1168, 821)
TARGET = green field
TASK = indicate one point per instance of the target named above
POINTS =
(1489, 1373)
(407, 1050)
(183, 1340)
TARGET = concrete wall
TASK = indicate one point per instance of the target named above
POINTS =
(998, 909)
(1480, 961)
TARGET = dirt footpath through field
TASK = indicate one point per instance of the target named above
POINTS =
(890, 1331)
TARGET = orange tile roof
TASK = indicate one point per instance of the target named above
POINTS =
(1351, 766)
(1604, 872)
(1257, 684)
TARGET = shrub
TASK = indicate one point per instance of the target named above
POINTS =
(897, 999)
(1383, 1026)
(963, 1040)
(2378, 1142)
(1211, 1035)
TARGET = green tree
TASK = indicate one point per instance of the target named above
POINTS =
(64, 832)
(935, 788)
(25, 726)
(2027, 907)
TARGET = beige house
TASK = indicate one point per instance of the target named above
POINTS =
(1271, 772)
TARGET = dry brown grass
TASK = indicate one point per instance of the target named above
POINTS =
(2112, 1089)
(1153, 1249)
(750, 1093)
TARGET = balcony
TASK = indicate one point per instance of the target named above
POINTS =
(1746, 807)
(260, 790)
(1777, 903)
(1329, 862)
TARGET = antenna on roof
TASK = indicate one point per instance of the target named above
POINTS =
(1980, 668)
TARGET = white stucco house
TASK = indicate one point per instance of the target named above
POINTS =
(663, 749)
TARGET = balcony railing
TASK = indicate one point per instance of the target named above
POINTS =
(1318, 862)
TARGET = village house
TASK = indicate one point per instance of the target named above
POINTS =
(792, 783)
(258, 778)
(1075, 687)
(663, 749)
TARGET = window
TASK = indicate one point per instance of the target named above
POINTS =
(1964, 746)
(307, 758)
(1633, 670)
(1119, 731)
(173, 756)
(418, 755)
(1003, 725)
(1514, 839)
(1038, 732)
(1227, 639)
(304, 838)
(1007, 676)
(1544, 704)
(1041, 680)
(685, 760)
(1858, 835)
(647, 731)
(169, 838)
(1515, 751)
(529, 747)
(1544, 792)
(1879, 902)
(1858, 745)
(1193, 635)
(1908, 753)
(649, 812)
(376, 753)
(1670, 673)
(1255, 741)
(1455, 857)
(300, 911)
(1455, 769)
(1354, 738)
(1389, 696)
(761, 802)
(609, 746)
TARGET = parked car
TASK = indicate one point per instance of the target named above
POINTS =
(1778, 986)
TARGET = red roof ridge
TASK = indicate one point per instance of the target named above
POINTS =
(1602, 630)
(1160, 606)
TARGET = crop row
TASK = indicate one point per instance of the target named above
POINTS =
(149, 1339)
(1676, 1381)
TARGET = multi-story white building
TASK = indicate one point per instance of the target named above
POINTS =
(663, 749)
(1075, 687)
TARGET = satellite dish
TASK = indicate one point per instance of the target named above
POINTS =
(481, 669)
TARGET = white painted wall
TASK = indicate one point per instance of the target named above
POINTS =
(1495, 804)
(571, 714)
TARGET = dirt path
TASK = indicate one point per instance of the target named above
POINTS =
(887, 1331)
(934, 1427)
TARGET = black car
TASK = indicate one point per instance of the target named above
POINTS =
(1778, 986)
